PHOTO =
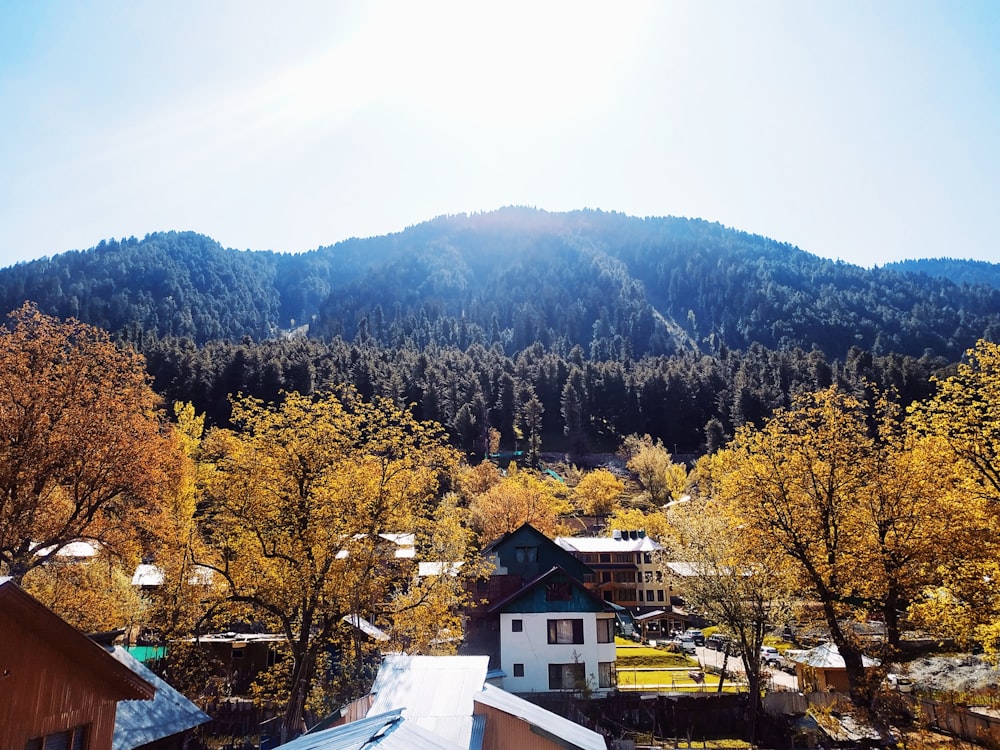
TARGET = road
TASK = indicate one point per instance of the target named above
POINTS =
(778, 680)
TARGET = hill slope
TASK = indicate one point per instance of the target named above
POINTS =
(610, 284)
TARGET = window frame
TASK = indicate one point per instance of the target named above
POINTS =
(557, 634)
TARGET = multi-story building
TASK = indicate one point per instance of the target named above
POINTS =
(625, 567)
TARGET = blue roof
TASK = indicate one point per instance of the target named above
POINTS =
(140, 722)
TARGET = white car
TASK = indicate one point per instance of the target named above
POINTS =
(684, 643)
(770, 656)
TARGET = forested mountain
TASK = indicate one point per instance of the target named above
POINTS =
(612, 284)
(957, 271)
(575, 329)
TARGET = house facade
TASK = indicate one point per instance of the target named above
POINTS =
(57, 687)
(555, 635)
(625, 567)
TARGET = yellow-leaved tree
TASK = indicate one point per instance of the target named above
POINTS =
(834, 485)
(523, 496)
(306, 505)
(963, 421)
(598, 493)
(652, 463)
(734, 582)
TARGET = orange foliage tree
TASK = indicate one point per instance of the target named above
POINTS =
(82, 446)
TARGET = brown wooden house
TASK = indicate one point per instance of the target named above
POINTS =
(57, 687)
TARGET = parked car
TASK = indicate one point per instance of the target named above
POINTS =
(683, 643)
(722, 643)
(770, 656)
(696, 635)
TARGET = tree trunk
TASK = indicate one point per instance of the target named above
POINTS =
(292, 725)
(891, 614)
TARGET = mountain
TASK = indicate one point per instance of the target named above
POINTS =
(956, 271)
(611, 284)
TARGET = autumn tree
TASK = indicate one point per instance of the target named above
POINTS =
(658, 474)
(831, 484)
(598, 492)
(303, 506)
(523, 496)
(963, 418)
(653, 522)
(735, 583)
(83, 450)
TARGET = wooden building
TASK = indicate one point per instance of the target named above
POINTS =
(57, 687)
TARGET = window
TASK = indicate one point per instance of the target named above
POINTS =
(649, 595)
(71, 739)
(625, 595)
(605, 576)
(558, 591)
(566, 631)
(647, 558)
(519, 670)
(659, 595)
(606, 675)
(606, 630)
(516, 626)
(566, 677)
(640, 595)
(605, 557)
(527, 554)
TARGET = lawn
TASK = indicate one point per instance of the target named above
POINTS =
(646, 668)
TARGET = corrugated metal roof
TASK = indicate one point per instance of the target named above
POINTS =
(388, 731)
(569, 732)
(827, 656)
(143, 721)
(607, 544)
(435, 691)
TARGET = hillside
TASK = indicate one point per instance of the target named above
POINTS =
(957, 271)
(611, 284)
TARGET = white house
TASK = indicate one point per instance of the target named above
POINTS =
(556, 635)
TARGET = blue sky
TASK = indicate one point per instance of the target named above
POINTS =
(861, 131)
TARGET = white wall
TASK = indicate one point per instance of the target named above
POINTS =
(532, 649)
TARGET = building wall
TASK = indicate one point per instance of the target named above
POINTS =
(43, 691)
(506, 732)
(530, 648)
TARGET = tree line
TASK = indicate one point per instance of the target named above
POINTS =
(571, 403)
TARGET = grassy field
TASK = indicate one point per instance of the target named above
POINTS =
(645, 668)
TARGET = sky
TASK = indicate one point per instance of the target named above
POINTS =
(867, 132)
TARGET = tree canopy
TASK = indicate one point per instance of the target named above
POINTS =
(84, 453)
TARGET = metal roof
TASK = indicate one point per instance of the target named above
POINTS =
(607, 544)
(140, 722)
(366, 627)
(434, 691)
(827, 656)
(568, 733)
(387, 731)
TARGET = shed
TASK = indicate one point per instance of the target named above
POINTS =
(822, 669)
(56, 685)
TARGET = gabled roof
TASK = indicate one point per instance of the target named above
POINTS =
(526, 589)
(386, 731)
(543, 722)
(549, 552)
(140, 722)
(433, 691)
(81, 652)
